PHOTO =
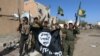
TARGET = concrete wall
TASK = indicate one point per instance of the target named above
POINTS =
(32, 7)
(9, 7)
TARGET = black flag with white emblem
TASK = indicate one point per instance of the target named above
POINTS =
(48, 42)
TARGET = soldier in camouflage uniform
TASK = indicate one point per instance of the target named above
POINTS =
(69, 38)
(24, 30)
(34, 24)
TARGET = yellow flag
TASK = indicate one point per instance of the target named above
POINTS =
(81, 12)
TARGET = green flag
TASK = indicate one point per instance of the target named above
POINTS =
(82, 13)
(60, 11)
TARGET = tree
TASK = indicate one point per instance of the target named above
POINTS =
(83, 23)
(60, 21)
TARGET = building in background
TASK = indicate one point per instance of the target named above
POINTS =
(30, 6)
(9, 7)
(98, 23)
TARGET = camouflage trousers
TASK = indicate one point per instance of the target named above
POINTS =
(31, 43)
(68, 48)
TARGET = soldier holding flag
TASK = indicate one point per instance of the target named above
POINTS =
(69, 39)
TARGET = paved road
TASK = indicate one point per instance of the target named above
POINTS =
(88, 44)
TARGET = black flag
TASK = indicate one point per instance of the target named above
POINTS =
(51, 45)
(48, 42)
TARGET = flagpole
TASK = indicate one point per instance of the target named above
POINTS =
(57, 19)
(79, 18)
(60, 12)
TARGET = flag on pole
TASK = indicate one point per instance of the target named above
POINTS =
(60, 11)
(81, 12)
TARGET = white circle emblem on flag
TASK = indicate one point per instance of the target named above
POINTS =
(44, 38)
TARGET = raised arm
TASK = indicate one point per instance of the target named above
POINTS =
(76, 20)
(76, 29)
(52, 21)
(42, 20)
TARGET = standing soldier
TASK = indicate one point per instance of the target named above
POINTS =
(70, 35)
(63, 31)
(36, 25)
(24, 30)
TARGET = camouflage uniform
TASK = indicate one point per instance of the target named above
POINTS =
(24, 30)
(68, 41)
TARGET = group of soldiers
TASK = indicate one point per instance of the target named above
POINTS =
(67, 34)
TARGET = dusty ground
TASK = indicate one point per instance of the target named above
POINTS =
(88, 44)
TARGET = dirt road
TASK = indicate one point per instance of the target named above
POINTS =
(88, 43)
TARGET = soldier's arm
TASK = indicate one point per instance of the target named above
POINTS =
(76, 19)
(61, 34)
(42, 20)
(76, 30)
(51, 25)
(75, 27)
(63, 39)
(19, 27)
